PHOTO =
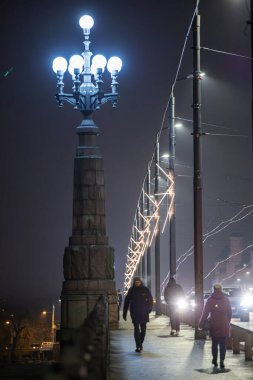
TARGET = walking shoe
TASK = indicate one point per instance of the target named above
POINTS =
(138, 349)
(141, 348)
(214, 362)
(172, 332)
(222, 365)
(177, 333)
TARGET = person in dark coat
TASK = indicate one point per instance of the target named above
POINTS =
(219, 308)
(140, 301)
(173, 294)
(119, 301)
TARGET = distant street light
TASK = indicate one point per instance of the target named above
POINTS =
(53, 327)
(190, 76)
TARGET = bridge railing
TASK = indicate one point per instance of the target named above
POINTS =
(86, 355)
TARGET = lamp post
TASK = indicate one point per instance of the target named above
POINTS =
(157, 236)
(148, 215)
(88, 260)
(197, 182)
(172, 220)
(53, 327)
(88, 95)
(143, 261)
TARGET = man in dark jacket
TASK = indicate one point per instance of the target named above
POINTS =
(173, 295)
(120, 299)
(140, 301)
(218, 306)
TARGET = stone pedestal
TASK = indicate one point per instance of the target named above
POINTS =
(88, 260)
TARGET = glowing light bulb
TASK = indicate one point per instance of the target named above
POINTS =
(86, 22)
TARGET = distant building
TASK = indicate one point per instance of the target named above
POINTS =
(236, 267)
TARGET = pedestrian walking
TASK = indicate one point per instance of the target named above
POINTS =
(219, 308)
(174, 295)
(119, 300)
(140, 302)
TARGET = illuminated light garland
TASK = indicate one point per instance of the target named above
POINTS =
(167, 105)
(163, 120)
(145, 236)
(137, 249)
(171, 193)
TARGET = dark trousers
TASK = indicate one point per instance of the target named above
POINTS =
(174, 319)
(222, 343)
(139, 333)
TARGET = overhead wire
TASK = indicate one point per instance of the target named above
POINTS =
(189, 252)
(127, 283)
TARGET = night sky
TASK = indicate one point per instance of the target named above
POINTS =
(38, 141)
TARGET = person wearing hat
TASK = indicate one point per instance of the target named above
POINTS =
(140, 302)
(219, 308)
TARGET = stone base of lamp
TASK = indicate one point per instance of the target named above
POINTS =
(89, 273)
(78, 299)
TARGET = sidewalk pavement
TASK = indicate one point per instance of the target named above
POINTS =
(168, 357)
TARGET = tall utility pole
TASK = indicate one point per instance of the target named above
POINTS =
(136, 237)
(172, 220)
(197, 181)
(143, 261)
(157, 237)
(251, 22)
(148, 218)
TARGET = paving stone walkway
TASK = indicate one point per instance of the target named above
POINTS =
(167, 357)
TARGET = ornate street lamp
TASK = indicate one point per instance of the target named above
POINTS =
(87, 95)
(88, 260)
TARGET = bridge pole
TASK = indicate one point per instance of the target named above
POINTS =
(148, 215)
(172, 219)
(197, 181)
(157, 237)
(143, 261)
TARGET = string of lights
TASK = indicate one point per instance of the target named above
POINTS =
(146, 236)
(138, 246)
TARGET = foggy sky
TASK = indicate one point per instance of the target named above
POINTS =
(38, 141)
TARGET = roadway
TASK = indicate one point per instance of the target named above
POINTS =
(166, 357)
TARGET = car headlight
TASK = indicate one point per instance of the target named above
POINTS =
(247, 301)
(181, 304)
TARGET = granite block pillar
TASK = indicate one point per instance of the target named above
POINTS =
(88, 262)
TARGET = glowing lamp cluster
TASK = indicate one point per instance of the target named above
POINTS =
(76, 64)
(87, 94)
